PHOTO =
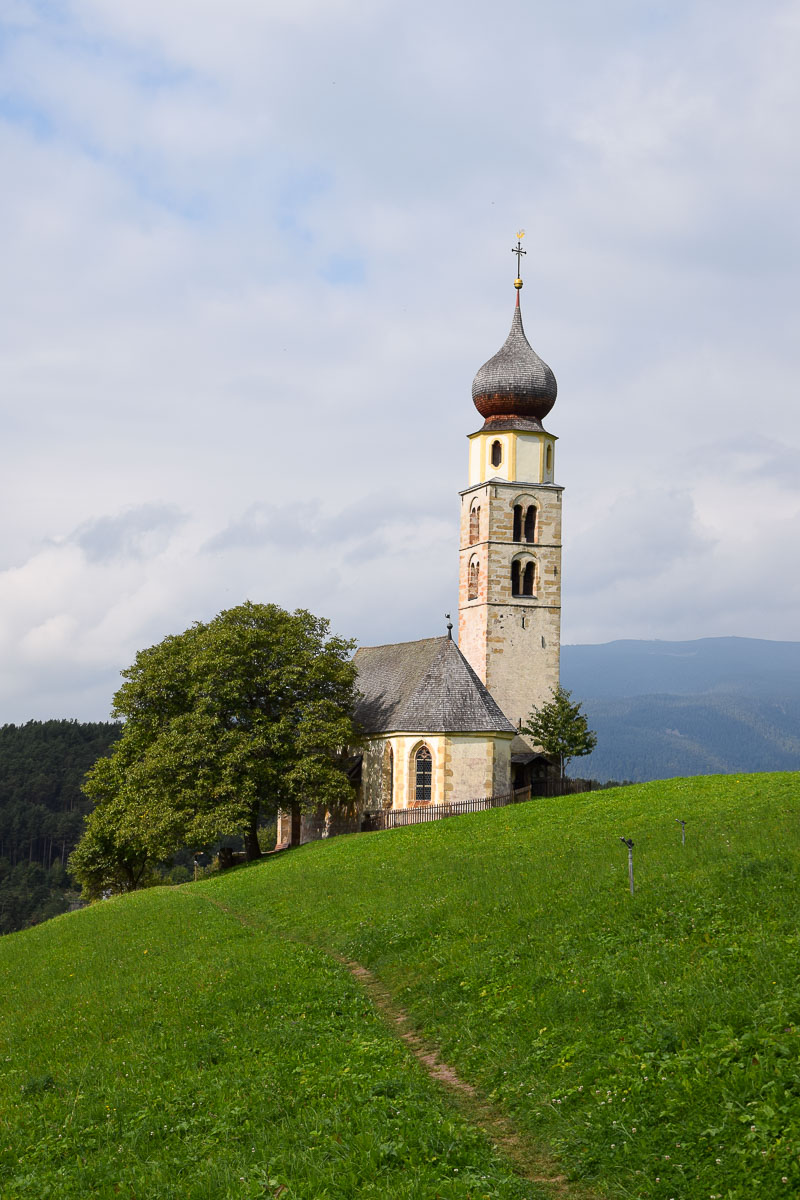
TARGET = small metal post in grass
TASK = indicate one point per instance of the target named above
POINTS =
(195, 868)
(682, 824)
(629, 843)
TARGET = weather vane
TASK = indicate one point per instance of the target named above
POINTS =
(519, 253)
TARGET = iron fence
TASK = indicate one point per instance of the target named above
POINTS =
(394, 818)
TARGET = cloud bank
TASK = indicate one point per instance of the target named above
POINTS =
(254, 254)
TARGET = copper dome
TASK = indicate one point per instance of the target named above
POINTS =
(515, 382)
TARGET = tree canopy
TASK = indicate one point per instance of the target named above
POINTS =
(561, 729)
(224, 724)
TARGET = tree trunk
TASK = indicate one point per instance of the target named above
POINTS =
(252, 849)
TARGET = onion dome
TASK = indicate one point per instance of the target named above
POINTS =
(515, 388)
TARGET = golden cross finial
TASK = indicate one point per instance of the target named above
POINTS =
(519, 253)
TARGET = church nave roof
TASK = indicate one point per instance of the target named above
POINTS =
(423, 687)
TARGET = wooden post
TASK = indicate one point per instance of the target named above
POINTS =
(683, 830)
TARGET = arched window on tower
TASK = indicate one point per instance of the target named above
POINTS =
(474, 524)
(496, 454)
(515, 572)
(548, 458)
(472, 581)
(530, 523)
(517, 522)
(423, 775)
(529, 579)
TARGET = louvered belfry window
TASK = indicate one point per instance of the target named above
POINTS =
(424, 773)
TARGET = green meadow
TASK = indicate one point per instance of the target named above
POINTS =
(205, 1041)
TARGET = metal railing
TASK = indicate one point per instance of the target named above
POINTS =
(393, 818)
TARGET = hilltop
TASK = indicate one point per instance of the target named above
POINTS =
(209, 1041)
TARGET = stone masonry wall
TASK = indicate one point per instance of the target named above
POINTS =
(469, 767)
(512, 642)
(465, 767)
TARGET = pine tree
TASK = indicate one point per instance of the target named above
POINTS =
(561, 729)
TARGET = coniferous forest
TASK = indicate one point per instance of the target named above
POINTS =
(42, 812)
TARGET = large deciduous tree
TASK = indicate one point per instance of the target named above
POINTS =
(224, 724)
(561, 729)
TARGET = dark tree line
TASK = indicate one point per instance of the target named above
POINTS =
(43, 811)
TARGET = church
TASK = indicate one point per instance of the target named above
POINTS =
(441, 719)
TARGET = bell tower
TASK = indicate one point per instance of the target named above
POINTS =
(509, 626)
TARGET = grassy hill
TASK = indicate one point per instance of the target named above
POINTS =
(204, 1041)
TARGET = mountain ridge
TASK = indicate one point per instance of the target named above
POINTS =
(663, 708)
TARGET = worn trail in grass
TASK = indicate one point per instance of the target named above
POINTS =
(651, 1042)
(163, 1046)
(155, 1047)
(530, 1163)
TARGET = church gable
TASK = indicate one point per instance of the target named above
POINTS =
(426, 686)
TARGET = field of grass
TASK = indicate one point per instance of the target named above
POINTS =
(200, 1041)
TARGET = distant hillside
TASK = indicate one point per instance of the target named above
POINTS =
(629, 668)
(687, 708)
(42, 811)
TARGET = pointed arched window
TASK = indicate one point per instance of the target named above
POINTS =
(475, 524)
(423, 766)
(517, 522)
(530, 523)
(472, 582)
(497, 454)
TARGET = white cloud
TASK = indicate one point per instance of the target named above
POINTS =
(253, 255)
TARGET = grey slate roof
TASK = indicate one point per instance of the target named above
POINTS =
(423, 687)
(515, 380)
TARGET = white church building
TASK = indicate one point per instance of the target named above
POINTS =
(440, 720)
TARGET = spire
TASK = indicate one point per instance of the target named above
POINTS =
(515, 385)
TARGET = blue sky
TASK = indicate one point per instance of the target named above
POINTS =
(253, 255)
